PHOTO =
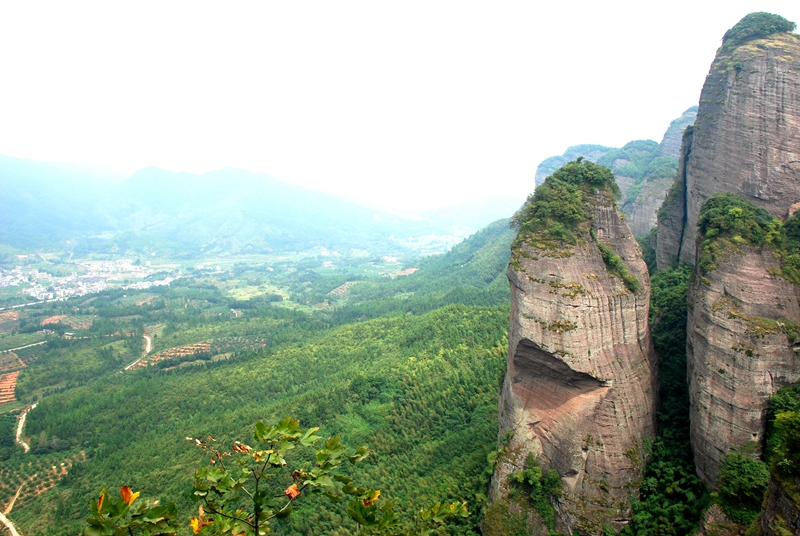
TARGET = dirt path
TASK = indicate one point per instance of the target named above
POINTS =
(14, 499)
(21, 347)
(9, 525)
(20, 426)
(148, 345)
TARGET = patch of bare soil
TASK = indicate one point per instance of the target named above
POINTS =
(8, 382)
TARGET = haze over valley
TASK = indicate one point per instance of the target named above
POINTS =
(422, 269)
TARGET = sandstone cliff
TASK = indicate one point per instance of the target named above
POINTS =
(641, 206)
(716, 523)
(740, 334)
(580, 386)
(738, 353)
(781, 515)
(671, 142)
(747, 134)
(640, 211)
(672, 214)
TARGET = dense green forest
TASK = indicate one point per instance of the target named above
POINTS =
(672, 498)
(420, 391)
(408, 365)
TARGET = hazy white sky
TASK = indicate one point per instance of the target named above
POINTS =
(400, 105)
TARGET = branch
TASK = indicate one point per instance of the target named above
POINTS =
(223, 514)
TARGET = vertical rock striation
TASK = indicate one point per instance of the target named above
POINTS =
(580, 387)
(672, 214)
(640, 211)
(742, 310)
(740, 351)
(672, 141)
(781, 514)
(747, 134)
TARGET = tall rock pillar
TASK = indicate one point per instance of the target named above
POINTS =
(746, 142)
(580, 387)
(746, 137)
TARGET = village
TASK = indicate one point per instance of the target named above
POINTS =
(89, 277)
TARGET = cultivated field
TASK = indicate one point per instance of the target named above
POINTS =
(8, 382)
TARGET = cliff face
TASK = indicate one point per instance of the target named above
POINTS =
(671, 217)
(740, 351)
(580, 386)
(671, 142)
(641, 209)
(781, 515)
(740, 343)
(716, 523)
(747, 133)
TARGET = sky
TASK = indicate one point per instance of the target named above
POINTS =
(403, 106)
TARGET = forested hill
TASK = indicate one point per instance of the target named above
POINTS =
(472, 272)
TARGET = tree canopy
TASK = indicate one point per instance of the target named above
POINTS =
(755, 26)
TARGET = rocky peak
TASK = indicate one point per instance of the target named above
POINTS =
(671, 142)
(586, 151)
(746, 137)
(580, 386)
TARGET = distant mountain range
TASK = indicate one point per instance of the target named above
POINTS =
(62, 206)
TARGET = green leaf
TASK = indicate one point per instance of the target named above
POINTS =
(359, 455)
(350, 489)
(321, 481)
(95, 531)
(285, 447)
(310, 437)
(283, 514)
(262, 433)
(332, 496)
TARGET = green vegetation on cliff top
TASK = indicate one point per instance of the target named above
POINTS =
(552, 218)
(755, 26)
(728, 222)
(553, 213)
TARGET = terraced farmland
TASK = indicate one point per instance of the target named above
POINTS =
(8, 382)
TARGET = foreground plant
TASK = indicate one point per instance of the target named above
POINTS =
(240, 493)
(245, 488)
(129, 516)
